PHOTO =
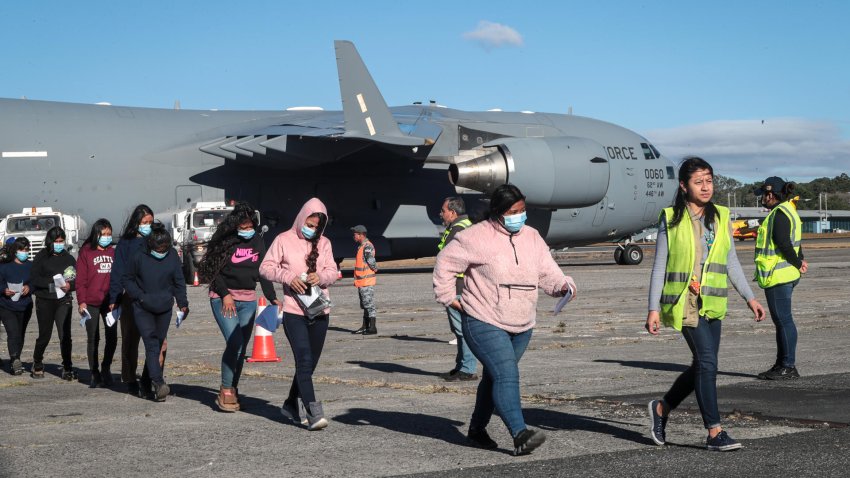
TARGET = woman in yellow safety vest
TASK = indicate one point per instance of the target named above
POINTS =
(779, 263)
(694, 261)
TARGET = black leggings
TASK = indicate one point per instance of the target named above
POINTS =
(50, 312)
(307, 338)
(15, 322)
(98, 313)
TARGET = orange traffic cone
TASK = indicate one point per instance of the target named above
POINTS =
(263, 350)
(195, 281)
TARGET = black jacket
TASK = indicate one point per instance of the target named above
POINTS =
(45, 265)
(241, 271)
(154, 283)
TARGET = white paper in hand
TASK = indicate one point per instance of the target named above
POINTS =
(113, 316)
(17, 289)
(59, 282)
(563, 302)
(84, 317)
(180, 316)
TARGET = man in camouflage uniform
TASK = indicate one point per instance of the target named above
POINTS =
(365, 268)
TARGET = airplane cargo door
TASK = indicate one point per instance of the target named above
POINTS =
(599, 216)
(187, 194)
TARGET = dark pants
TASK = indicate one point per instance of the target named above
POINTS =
(153, 328)
(98, 313)
(499, 351)
(701, 376)
(129, 341)
(307, 338)
(50, 312)
(779, 303)
(16, 328)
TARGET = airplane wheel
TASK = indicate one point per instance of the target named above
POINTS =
(618, 255)
(633, 255)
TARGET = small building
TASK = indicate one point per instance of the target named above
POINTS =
(813, 220)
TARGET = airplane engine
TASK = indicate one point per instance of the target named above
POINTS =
(560, 172)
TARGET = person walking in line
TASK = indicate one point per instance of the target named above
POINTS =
(94, 268)
(694, 261)
(136, 230)
(231, 266)
(53, 301)
(779, 264)
(504, 263)
(453, 214)
(365, 270)
(300, 259)
(153, 281)
(16, 300)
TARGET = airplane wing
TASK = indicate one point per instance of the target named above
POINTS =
(313, 138)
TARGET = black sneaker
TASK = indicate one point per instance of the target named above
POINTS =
(460, 376)
(784, 373)
(446, 376)
(69, 374)
(133, 388)
(17, 367)
(658, 424)
(527, 441)
(764, 375)
(481, 439)
(106, 376)
(95, 380)
(37, 370)
(721, 442)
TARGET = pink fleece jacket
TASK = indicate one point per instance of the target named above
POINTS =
(501, 280)
(286, 258)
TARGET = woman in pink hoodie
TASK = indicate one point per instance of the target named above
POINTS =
(299, 259)
(504, 263)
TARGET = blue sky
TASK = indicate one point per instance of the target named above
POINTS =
(755, 87)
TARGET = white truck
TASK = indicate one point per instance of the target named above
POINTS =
(191, 229)
(34, 222)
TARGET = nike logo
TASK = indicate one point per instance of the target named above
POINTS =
(242, 255)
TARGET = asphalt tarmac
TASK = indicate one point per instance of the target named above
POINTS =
(585, 379)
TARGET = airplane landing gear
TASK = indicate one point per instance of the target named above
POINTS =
(628, 255)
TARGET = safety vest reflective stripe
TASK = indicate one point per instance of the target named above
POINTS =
(771, 267)
(463, 223)
(364, 276)
(681, 260)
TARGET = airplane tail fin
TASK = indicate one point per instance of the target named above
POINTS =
(365, 112)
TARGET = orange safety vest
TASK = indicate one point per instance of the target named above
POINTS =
(363, 275)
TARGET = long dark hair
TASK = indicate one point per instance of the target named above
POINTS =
(226, 236)
(689, 166)
(9, 250)
(502, 199)
(313, 256)
(131, 227)
(96, 232)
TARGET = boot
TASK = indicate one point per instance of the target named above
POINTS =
(363, 327)
(372, 330)
(227, 400)
(95, 380)
(316, 416)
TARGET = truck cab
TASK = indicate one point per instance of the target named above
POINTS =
(191, 229)
(33, 223)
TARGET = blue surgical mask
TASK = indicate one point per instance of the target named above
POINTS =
(104, 241)
(159, 255)
(247, 234)
(307, 232)
(514, 222)
(58, 247)
(144, 229)
(22, 256)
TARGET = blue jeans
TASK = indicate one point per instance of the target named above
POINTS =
(237, 332)
(499, 351)
(779, 303)
(701, 376)
(307, 338)
(464, 360)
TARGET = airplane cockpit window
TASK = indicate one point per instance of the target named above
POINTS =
(657, 154)
(670, 173)
(647, 153)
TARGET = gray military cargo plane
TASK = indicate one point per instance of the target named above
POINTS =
(586, 180)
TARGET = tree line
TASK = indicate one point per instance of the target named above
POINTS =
(733, 193)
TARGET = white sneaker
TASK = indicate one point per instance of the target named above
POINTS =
(453, 342)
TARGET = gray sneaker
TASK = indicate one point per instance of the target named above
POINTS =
(292, 412)
(17, 367)
(316, 416)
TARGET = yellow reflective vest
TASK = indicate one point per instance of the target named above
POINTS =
(681, 257)
(771, 268)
